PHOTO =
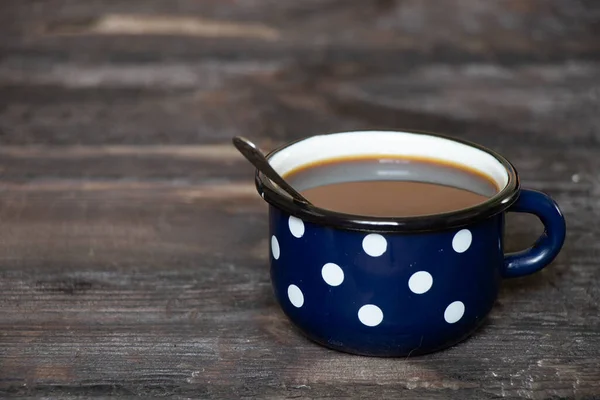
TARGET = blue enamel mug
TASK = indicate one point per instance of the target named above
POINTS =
(398, 286)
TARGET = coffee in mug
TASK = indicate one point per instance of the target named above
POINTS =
(391, 186)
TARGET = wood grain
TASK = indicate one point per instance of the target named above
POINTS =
(133, 248)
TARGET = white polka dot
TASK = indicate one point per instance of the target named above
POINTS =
(275, 247)
(420, 282)
(374, 245)
(296, 226)
(370, 315)
(295, 295)
(462, 241)
(454, 312)
(332, 274)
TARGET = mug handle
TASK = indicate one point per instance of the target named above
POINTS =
(546, 248)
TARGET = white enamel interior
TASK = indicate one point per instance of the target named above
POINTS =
(383, 143)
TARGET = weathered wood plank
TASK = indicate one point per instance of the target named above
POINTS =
(529, 101)
(477, 101)
(536, 28)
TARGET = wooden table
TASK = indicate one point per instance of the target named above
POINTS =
(133, 251)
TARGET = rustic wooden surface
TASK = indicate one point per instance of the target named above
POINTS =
(133, 248)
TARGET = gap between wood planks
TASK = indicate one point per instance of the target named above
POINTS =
(186, 192)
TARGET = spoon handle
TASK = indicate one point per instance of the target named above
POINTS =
(256, 158)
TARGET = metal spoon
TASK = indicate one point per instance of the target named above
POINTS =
(258, 159)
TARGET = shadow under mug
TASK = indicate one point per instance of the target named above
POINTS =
(398, 286)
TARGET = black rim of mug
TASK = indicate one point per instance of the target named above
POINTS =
(424, 223)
